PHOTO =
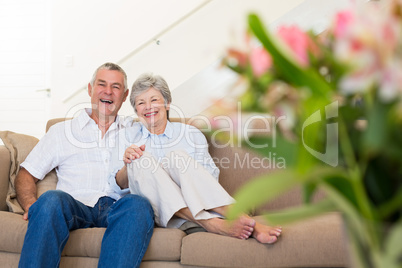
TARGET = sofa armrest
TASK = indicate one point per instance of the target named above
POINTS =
(5, 163)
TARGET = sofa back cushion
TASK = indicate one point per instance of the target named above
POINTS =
(19, 146)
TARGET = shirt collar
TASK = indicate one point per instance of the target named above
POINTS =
(168, 131)
(84, 119)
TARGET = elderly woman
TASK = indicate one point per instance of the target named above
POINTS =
(169, 164)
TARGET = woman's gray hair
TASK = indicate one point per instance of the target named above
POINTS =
(145, 82)
(111, 67)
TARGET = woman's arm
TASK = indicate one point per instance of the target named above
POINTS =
(133, 152)
(122, 178)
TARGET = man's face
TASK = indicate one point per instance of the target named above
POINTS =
(107, 94)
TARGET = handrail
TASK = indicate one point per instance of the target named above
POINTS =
(145, 44)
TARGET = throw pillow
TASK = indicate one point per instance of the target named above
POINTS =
(19, 146)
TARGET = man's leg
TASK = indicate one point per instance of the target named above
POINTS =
(50, 219)
(130, 223)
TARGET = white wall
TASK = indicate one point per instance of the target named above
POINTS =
(92, 32)
(24, 46)
(59, 43)
(193, 35)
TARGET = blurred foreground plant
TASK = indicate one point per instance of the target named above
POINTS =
(341, 94)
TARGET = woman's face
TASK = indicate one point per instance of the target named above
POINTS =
(151, 110)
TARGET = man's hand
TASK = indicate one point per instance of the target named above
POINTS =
(133, 152)
(25, 216)
(26, 209)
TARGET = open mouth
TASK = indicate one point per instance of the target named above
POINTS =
(106, 101)
(150, 114)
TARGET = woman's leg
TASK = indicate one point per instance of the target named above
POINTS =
(242, 228)
(203, 193)
(263, 233)
(200, 190)
(193, 192)
(148, 179)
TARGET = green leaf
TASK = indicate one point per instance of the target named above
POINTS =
(308, 191)
(375, 136)
(344, 187)
(295, 74)
(391, 206)
(266, 187)
(354, 220)
(262, 189)
(291, 215)
(314, 135)
(393, 245)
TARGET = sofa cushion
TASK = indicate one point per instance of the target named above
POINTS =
(19, 146)
(315, 242)
(165, 243)
(13, 232)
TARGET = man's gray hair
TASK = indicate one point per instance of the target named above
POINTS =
(145, 82)
(111, 67)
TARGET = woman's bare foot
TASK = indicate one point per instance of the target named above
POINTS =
(266, 234)
(241, 228)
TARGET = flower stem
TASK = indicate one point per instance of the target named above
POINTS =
(355, 174)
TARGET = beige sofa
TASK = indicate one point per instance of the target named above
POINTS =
(317, 242)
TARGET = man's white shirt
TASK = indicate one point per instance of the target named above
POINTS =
(81, 157)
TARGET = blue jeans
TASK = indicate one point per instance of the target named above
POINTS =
(129, 226)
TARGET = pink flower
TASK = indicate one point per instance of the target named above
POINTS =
(343, 20)
(391, 79)
(367, 41)
(297, 40)
(260, 61)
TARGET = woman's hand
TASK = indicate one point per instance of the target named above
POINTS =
(133, 152)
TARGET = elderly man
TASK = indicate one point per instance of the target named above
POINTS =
(80, 150)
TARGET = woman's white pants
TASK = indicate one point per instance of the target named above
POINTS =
(177, 182)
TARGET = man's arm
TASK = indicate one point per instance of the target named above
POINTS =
(25, 187)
